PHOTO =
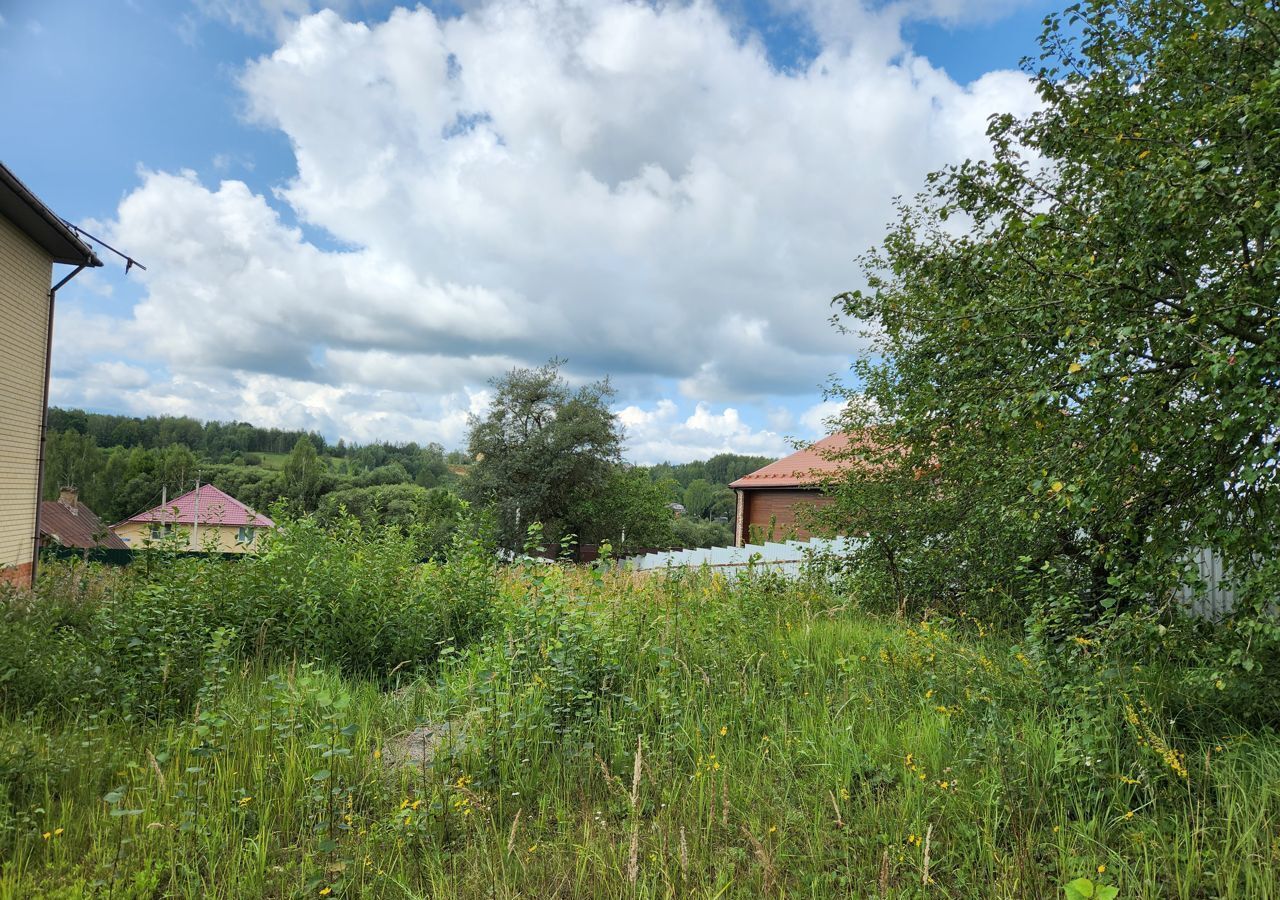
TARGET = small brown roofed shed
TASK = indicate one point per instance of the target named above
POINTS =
(769, 498)
(69, 523)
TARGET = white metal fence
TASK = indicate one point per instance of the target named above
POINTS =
(1213, 600)
(786, 557)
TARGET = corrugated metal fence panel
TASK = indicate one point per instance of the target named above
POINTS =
(1215, 599)
(789, 558)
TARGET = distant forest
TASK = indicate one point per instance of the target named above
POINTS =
(216, 440)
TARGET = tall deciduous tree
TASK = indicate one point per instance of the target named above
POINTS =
(304, 473)
(542, 448)
(72, 458)
(1077, 339)
(698, 497)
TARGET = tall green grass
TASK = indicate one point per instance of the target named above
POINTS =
(662, 736)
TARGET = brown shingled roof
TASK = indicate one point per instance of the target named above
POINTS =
(804, 468)
(76, 526)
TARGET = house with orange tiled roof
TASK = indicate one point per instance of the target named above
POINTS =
(202, 518)
(771, 500)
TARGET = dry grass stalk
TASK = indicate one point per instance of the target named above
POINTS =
(684, 854)
(724, 804)
(928, 837)
(515, 825)
(766, 861)
(609, 778)
(836, 807)
(633, 859)
(155, 767)
(635, 773)
(884, 874)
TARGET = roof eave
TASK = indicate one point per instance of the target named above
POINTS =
(41, 224)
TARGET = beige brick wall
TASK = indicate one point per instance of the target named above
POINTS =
(25, 274)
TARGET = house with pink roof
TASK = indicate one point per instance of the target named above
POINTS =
(202, 518)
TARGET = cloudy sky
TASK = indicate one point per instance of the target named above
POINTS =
(354, 215)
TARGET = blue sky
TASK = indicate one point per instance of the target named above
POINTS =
(353, 228)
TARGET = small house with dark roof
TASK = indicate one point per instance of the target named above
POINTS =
(32, 240)
(771, 499)
(202, 518)
(66, 522)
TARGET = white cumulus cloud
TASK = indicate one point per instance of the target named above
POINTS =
(631, 186)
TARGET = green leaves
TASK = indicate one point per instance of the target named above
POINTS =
(1084, 889)
(542, 451)
(1121, 274)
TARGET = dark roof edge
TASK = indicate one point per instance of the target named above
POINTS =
(72, 251)
(815, 485)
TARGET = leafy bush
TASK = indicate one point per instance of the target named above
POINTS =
(1069, 389)
(433, 515)
(690, 532)
(138, 640)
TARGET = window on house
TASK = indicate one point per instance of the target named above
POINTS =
(244, 535)
(157, 532)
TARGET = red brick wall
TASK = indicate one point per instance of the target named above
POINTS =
(759, 507)
(19, 575)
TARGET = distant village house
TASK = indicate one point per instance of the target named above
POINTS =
(203, 518)
(32, 240)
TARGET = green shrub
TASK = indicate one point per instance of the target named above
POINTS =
(138, 640)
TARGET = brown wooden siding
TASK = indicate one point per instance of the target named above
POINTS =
(776, 510)
(25, 271)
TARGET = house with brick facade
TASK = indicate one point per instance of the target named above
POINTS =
(771, 500)
(33, 240)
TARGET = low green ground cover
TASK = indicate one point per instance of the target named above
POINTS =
(597, 735)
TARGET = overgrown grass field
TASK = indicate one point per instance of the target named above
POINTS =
(566, 732)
